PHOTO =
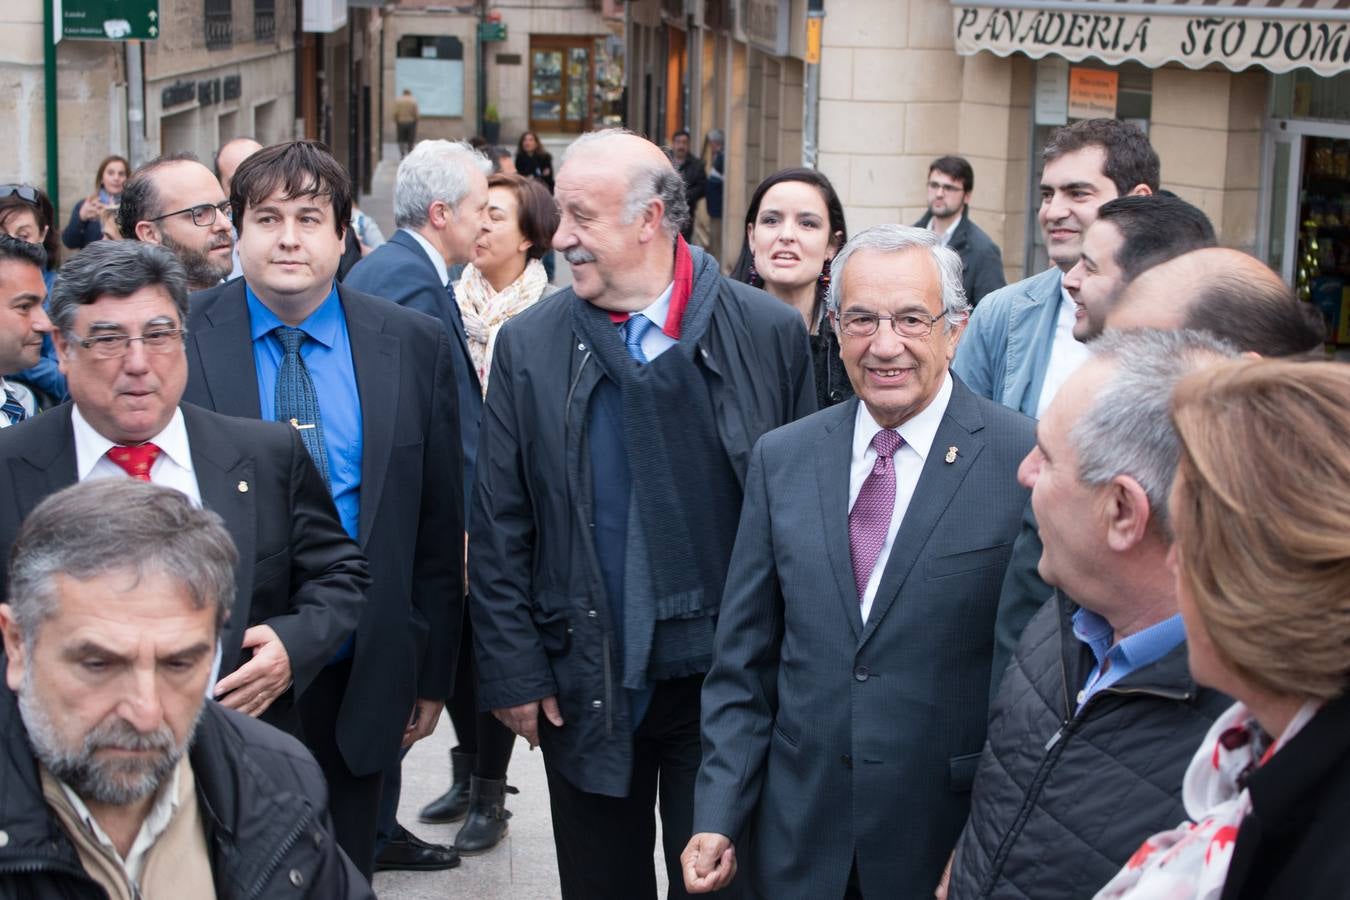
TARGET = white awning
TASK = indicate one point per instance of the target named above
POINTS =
(1279, 35)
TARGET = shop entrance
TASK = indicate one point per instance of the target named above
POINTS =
(561, 79)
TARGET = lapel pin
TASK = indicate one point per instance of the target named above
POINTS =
(295, 423)
(243, 487)
(951, 455)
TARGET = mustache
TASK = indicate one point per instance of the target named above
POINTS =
(576, 255)
(119, 734)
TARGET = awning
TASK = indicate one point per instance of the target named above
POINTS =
(1279, 35)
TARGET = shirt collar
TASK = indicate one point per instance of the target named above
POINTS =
(946, 237)
(918, 431)
(1140, 649)
(90, 446)
(322, 325)
(659, 311)
(155, 824)
(442, 271)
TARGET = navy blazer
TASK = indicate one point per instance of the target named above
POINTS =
(399, 270)
(411, 525)
(857, 740)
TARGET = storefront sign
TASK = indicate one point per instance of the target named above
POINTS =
(108, 20)
(765, 23)
(1092, 93)
(1279, 45)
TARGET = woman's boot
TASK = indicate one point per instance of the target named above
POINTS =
(486, 825)
(454, 803)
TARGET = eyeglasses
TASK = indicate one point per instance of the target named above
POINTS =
(26, 193)
(113, 346)
(203, 215)
(865, 324)
(945, 188)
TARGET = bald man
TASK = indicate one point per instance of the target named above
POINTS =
(615, 439)
(228, 158)
(1227, 293)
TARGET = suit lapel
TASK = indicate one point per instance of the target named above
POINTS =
(226, 346)
(833, 455)
(50, 464)
(375, 357)
(449, 311)
(938, 484)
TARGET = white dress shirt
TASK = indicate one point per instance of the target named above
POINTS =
(442, 271)
(946, 237)
(656, 341)
(1067, 353)
(23, 395)
(918, 433)
(172, 468)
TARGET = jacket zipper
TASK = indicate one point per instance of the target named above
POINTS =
(285, 847)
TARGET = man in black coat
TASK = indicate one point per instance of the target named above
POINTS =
(369, 386)
(691, 172)
(950, 183)
(118, 309)
(617, 431)
(117, 777)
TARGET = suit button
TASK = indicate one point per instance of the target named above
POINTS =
(862, 673)
(597, 704)
(847, 761)
(591, 614)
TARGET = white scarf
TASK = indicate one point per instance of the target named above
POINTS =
(485, 310)
(1190, 862)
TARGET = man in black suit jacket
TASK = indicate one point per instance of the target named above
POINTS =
(387, 432)
(300, 580)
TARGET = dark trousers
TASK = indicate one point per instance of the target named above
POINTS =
(477, 732)
(407, 136)
(352, 799)
(605, 843)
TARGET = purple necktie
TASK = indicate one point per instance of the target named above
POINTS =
(870, 518)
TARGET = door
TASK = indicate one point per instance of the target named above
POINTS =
(561, 84)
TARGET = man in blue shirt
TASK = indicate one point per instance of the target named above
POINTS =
(369, 387)
(1097, 717)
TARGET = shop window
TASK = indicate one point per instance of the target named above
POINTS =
(1306, 95)
(576, 83)
(219, 24)
(432, 67)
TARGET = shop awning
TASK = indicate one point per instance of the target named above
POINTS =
(1279, 35)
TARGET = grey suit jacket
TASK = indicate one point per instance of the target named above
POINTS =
(824, 737)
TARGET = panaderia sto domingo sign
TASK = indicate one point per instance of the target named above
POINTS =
(1275, 44)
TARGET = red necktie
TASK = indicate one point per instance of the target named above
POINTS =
(135, 461)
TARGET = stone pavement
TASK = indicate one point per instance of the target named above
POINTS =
(524, 865)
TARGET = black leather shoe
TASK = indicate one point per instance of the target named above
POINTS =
(454, 803)
(407, 852)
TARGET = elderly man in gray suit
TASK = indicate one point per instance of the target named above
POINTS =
(845, 710)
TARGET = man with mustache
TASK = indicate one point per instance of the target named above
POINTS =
(121, 781)
(176, 202)
(615, 440)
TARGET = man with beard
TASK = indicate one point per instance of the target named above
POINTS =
(175, 201)
(951, 181)
(121, 780)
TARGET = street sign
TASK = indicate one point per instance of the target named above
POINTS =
(108, 20)
(491, 31)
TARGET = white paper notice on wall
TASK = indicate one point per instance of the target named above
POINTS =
(1052, 91)
(437, 84)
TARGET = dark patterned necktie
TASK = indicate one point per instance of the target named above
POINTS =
(13, 409)
(297, 403)
(870, 519)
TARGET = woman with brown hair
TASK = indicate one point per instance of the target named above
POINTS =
(1261, 510)
(86, 223)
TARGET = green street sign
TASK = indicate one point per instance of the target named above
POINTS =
(108, 20)
(491, 31)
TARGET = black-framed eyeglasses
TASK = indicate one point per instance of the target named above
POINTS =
(26, 193)
(865, 324)
(945, 188)
(112, 346)
(203, 215)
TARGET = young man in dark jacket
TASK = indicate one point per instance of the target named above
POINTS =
(117, 778)
(950, 183)
(615, 439)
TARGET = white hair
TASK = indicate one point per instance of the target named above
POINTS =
(897, 238)
(1128, 430)
(434, 170)
(650, 181)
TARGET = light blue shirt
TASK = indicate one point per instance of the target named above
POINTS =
(328, 356)
(1141, 649)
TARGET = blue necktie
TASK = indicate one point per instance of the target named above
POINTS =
(297, 402)
(633, 330)
(13, 408)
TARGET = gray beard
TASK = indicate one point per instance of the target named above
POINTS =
(118, 782)
(202, 272)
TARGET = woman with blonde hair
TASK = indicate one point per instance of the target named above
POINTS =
(1261, 510)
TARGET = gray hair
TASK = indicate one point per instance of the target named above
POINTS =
(434, 170)
(116, 269)
(1128, 430)
(107, 525)
(650, 181)
(717, 136)
(897, 238)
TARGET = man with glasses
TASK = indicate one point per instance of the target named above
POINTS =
(118, 310)
(845, 710)
(950, 183)
(176, 202)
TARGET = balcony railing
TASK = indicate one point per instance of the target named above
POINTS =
(219, 24)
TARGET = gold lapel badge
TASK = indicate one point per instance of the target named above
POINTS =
(243, 487)
(951, 455)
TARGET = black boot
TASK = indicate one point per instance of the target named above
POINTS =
(454, 803)
(486, 825)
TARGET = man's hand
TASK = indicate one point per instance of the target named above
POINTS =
(252, 687)
(709, 863)
(422, 722)
(524, 719)
(940, 893)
